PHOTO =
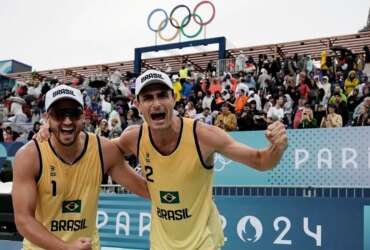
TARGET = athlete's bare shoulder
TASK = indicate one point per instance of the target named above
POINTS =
(128, 140)
(28, 158)
(210, 137)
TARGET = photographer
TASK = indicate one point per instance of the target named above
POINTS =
(307, 119)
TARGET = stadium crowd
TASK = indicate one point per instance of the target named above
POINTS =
(333, 91)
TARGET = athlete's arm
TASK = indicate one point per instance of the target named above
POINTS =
(213, 139)
(127, 142)
(24, 194)
(120, 171)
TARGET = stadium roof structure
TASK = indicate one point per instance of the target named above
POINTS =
(314, 47)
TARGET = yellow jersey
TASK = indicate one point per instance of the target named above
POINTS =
(67, 194)
(183, 214)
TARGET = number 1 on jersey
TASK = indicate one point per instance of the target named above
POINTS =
(54, 188)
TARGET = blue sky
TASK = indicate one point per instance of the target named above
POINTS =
(55, 34)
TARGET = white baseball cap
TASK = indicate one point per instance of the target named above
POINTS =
(62, 92)
(150, 77)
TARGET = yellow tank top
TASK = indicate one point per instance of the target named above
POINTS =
(68, 193)
(183, 214)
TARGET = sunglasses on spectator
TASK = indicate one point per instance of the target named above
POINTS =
(72, 113)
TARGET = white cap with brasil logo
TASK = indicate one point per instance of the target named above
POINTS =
(150, 77)
(62, 92)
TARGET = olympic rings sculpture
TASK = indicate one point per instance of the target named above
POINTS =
(180, 26)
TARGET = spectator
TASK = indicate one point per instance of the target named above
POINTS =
(177, 87)
(250, 82)
(205, 116)
(215, 87)
(246, 121)
(332, 119)
(35, 129)
(207, 100)
(103, 129)
(217, 102)
(133, 117)
(8, 135)
(353, 101)
(360, 111)
(1, 132)
(241, 100)
(367, 61)
(341, 108)
(190, 111)
(187, 88)
(307, 119)
(276, 113)
(183, 72)
(298, 112)
(226, 120)
(350, 83)
(115, 129)
(264, 81)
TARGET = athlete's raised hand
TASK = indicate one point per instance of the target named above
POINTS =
(277, 136)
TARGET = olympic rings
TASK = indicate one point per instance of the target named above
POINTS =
(173, 11)
(165, 23)
(172, 37)
(213, 12)
(185, 21)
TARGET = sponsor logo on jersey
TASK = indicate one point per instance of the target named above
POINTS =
(71, 206)
(169, 197)
(53, 172)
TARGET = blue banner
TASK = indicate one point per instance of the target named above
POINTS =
(253, 223)
(7, 152)
(315, 157)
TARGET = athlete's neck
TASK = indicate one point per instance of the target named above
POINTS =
(69, 153)
(166, 139)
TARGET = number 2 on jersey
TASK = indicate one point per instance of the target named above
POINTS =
(148, 173)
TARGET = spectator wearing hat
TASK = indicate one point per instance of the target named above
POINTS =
(226, 120)
(332, 119)
(351, 82)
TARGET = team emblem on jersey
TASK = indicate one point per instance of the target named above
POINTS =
(71, 206)
(168, 197)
